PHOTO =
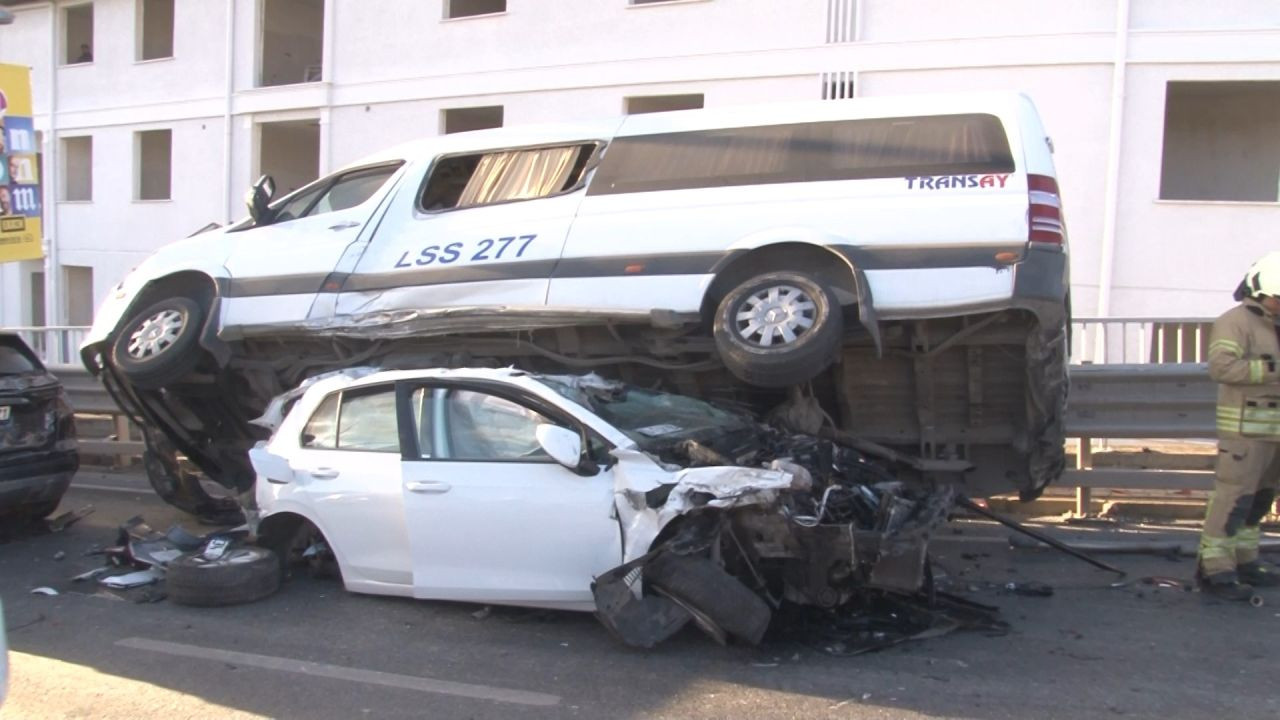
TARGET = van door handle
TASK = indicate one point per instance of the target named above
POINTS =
(323, 473)
(344, 225)
(428, 487)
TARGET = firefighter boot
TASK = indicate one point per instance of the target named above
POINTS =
(1225, 586)
(1258, 575)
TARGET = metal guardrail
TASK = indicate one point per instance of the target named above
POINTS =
(58, 346)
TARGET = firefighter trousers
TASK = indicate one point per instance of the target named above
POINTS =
(1245, 483)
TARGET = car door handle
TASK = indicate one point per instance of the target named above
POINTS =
(344, 225)
(323, 473)
(428, 487)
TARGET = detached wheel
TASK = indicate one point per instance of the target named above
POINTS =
(241, 575)
(778, 329)
(720, 604)
(158, 345)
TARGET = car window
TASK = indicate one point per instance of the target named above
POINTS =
(363, 420)
(14, 361)
(463, 181)
(488, 427)
(321, 430)
(367, 421)
(332, 195)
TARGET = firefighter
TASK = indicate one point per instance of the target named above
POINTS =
(1244, 350)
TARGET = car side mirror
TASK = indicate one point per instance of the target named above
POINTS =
(259, 200)
(565, 447)
(274, 468)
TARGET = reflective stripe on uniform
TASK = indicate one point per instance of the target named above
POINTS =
(1249, 538)
(1227, 346)
(1215, 548)
(1254, 422)
(1256, 369)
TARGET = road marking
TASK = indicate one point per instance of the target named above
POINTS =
(338, 672)
(108, 488)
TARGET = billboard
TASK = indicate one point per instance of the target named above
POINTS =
(19, 170)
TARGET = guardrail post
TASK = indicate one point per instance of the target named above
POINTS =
(122, 434)
(1084, 461)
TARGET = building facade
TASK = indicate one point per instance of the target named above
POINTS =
(154, 116)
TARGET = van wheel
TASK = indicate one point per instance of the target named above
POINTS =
(778, 329)
(158, 345)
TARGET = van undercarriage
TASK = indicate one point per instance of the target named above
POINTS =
(976, 400)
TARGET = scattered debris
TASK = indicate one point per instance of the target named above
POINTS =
(45, 590)
(64, 520)
(970, 505)
(1166, 582)
(90, 574)
(60, 555)
(1029, 588)
(133, 579)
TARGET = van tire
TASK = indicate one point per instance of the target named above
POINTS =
(766, 357)
(243, 574)
(719, 603)
(158, 345)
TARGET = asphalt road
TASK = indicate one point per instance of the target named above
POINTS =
(316, 651)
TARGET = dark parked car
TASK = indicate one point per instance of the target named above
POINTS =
(38, 448)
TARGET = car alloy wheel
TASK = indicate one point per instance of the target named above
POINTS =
(156, 334)
(781, 313)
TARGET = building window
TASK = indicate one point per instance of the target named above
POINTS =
(77, 37)
(79, 294)
(289, 151)
(837, 85)
(663, 103)
(456, 120)
(77, 168)
(1221, 141)
(471, 8)
(155, 164)
(291, 42)
(155, 29)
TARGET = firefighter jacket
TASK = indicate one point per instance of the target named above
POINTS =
(1243, 354)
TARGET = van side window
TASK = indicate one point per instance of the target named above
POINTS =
(462, 181)
(805, 152)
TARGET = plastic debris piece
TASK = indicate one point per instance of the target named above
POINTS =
(60, 555)
(482, 613)
(90, 574)
(44, 590)
(64, 520)
(215, 548)
(1029, 588)
(133, 579)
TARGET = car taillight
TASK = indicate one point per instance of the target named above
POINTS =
(1044, 213)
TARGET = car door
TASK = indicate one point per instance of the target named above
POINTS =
(347, 466)
(492, 518)
(277, 269)
(482, 229)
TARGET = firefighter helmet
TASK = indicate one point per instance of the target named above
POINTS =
(1263, 277)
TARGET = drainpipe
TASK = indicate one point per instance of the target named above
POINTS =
(326, 77)
(230, 67)
(53, 158)
(1106, 270)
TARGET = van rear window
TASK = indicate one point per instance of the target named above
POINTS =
(805, 152)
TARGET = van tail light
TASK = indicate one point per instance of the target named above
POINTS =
(1044, 214)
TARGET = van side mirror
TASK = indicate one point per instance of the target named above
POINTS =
(259, 199)
(565, 447)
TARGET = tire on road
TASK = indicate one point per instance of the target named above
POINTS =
(720, 604)
(778, 329)
(158, 345)
(242, 574)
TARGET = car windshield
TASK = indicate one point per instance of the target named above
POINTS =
(648, 417)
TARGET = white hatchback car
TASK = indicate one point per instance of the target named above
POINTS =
(916, 243)
(500, 486)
